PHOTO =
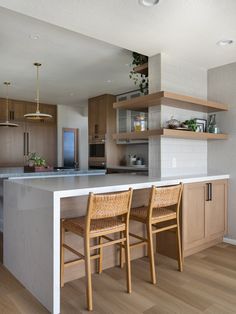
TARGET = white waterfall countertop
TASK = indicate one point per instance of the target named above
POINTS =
(82, 185)
(32, 213)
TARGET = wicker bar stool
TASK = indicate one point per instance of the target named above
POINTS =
(106, 214)
(160, 215)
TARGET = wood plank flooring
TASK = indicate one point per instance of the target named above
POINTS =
(207, 285)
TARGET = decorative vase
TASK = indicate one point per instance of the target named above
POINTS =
(212, 127)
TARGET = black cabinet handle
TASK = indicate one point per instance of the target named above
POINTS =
(11, 115)
(209, 192)
(24, 141)
(27, 136)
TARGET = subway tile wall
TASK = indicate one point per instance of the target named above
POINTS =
(174, 157)
(183, 157)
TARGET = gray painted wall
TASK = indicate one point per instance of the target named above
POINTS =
(222, 155)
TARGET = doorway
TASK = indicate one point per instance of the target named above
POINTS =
(70, 147)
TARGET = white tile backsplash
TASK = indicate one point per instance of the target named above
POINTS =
(182, 157)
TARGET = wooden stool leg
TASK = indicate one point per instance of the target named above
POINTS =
(180, 261)
(62, 253)
(121, 251)
(127, 260)
(151, 253)
(88, 273)
(100, 256)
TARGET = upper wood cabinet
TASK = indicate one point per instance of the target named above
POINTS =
(18, 108)
(44, 108)
(102, 124)
(97, 114)
(30, 136)
(204, 214)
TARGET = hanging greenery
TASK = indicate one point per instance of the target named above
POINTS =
(140, 80)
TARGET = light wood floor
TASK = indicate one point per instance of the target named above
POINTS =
(207, 285)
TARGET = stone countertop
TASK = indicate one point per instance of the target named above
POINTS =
(18, 172)
(81, 185)
(133, 168)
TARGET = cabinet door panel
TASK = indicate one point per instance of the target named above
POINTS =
(215, 209)
(3, 113)
(193, 214)
(12, 147)
(92, 116)
(102, 104)
(43, 140)
(17, 109)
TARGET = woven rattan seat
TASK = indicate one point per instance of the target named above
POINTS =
(162, 213)
(107, 215)
(107, 225)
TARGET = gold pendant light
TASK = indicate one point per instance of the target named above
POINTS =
(37, 115)
(7, 123)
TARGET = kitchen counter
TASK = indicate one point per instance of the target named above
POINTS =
(33, 208)
(82, 185)
(9, 172)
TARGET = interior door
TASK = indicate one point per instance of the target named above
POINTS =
(70, 147)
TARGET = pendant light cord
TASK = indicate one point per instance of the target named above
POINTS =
(7, 100)
(37, 89)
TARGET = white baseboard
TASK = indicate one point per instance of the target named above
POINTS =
(230, 241)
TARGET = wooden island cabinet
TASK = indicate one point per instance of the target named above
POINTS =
(203, 218)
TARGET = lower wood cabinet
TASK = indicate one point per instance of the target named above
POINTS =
(203, 218)
(204, 215)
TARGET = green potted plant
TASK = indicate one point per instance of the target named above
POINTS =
(36, 163)
(140, 80)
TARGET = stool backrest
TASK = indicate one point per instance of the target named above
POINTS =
(165, 197)
(109, 205)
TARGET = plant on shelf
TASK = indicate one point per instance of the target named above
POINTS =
(140, 80)
(35, 160)
(191, 124)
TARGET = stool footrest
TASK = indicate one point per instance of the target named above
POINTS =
(165, 228)
(98, 246)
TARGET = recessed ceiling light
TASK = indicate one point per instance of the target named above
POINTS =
(108, 81)
(34, 36)
(225, 42)
(148, 3)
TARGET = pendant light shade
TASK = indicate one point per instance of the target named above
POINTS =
(7, 123)
(37, 115)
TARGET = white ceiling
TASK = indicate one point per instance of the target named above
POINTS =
(189, 29)
(74, 67)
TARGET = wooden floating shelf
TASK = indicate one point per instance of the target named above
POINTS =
(170, 99)
(142, 135)
(169, 133)
(193, 135)
(142, 69)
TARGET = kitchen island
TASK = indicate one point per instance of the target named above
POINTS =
(33, 209)
(18, 172)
